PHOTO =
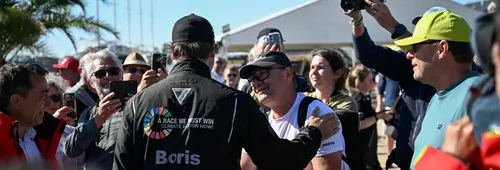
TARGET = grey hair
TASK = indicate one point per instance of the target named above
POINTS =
(99, 55)
(56, 81)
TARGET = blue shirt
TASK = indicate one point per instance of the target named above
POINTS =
(389, 89)
(445, 107)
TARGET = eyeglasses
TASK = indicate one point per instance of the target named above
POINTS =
(55, 98)
(110, 72)
(263, 74)
(416, 47)
(133, 70)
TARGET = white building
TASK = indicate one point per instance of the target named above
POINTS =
(321, 23)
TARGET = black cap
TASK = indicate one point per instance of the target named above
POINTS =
(415, 20)
(193, 28)
(267, 31)
(482, 40)
(265, 60)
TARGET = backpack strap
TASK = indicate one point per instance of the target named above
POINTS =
(302, 114)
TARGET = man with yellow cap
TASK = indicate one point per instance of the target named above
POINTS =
(136, 68)
(441, 56)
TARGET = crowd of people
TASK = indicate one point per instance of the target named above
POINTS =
(437, 94)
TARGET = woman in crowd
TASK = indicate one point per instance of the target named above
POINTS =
(360, 84)
(327, 75)
(52, 106)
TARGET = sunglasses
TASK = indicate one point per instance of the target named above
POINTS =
(133, 70)
(232, 75)
(263, 74)
(55, 98)
(110, 72)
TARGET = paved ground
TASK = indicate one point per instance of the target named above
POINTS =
(382, 146)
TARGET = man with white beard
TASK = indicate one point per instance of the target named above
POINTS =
(97, 128)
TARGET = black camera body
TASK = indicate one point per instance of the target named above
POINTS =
(353, 5)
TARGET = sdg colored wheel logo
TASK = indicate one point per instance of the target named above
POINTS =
(155, 130)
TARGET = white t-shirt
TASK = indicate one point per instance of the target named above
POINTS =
(217, 77)
(286, 127)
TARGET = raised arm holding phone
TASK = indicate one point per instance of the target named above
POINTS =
(394, 65)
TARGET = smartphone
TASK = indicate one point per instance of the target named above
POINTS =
(69, 99)
(122, 89)
(156, 62)
(275, 38)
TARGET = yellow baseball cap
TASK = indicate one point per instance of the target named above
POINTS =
(442, 25)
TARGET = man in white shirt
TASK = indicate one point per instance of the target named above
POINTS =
(218, 69)
(272, 79)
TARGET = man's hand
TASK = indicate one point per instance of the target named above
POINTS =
(382, 14)
(107, 107)
(149, 78)
(459, 139)
(356, 14)
(328, 124)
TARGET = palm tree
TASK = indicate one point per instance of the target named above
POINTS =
(23, 23)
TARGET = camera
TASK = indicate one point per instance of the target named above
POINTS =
(353, 5)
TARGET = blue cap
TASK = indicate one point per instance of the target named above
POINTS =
(431, 10)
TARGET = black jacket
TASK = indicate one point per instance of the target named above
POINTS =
(221, 122)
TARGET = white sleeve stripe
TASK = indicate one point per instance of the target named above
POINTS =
(232, 122)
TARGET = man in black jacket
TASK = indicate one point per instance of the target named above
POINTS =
(190, 121)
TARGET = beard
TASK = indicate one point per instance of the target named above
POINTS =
(103, 91)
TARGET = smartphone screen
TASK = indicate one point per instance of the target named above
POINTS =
(275, 38)
(156, 61)
(69, 99)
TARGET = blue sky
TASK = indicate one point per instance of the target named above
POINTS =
(166, 12)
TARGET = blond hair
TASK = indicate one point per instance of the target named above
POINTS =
(357, 75)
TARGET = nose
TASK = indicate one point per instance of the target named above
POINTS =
(410, 55)
(255, 83)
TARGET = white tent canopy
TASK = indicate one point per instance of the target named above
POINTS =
(323, 22)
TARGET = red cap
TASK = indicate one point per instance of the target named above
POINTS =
(69, 63)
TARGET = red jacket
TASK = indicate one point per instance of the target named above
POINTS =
(489, 156)
(48, 135)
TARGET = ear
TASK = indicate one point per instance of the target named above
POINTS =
(289, 73)
(338, 73)
(16, 99)
(211, 55)
(443, 48)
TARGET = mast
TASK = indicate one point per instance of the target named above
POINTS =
(128, 25)
(152, 28)
(98, 31)
(140, 24)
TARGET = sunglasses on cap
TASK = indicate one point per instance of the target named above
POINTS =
(133, 70)
(110, 72)
(55, 98)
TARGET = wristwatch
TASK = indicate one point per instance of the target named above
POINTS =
(399, 30)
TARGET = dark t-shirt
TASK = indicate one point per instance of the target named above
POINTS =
(368, 136)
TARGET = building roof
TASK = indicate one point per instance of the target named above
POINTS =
(323, 22)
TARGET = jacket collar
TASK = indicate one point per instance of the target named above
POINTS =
(195, 66)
